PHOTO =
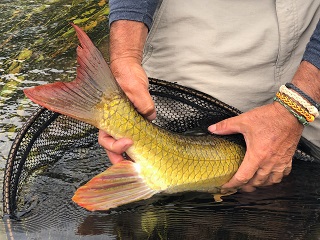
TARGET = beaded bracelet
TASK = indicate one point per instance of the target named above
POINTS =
(301, 119)
(311, 109)
(303, 94)
(295, 106)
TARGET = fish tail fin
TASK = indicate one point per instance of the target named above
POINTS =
(120, 184)
(78, 98)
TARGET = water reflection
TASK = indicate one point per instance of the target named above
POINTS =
(289, 210)
(284, 212)
(36, 47)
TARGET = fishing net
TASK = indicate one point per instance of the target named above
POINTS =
(49, 152)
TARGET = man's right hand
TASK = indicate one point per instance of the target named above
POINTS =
(127, 40)
(134, 82)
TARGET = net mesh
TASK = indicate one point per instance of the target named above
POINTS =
(46, 136)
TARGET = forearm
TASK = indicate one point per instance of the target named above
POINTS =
(307, 78)
(127, 40)
(129, 23)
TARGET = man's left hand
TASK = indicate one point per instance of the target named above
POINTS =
(272, 134)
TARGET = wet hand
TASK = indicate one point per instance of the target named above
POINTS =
(134, 82)
(127, 40)
(272, 135)
(114, 148)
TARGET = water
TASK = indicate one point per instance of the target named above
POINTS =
(289, 210)
(36, 47)
(21, 66)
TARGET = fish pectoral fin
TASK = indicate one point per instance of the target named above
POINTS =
(217, 196)
(118, 185)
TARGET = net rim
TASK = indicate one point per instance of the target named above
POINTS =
(10, 192)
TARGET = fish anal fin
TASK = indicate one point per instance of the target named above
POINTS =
(217, 196)
(120, 184)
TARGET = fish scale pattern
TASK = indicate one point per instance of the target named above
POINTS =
(171, 161)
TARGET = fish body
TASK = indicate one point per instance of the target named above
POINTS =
(162, 161)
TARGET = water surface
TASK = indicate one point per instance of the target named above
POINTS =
(37, 46)
(289, 210)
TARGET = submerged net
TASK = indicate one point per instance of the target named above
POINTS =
(48, 137)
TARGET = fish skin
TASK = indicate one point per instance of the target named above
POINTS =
(162, 161)
(168, 161)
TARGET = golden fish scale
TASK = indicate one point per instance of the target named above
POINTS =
(169, 161)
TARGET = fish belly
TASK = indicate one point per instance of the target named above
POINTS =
(171, 162)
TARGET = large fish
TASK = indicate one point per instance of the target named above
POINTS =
(161, 161)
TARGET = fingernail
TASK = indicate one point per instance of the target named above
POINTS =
(126, 146)
(212, 128)
(152, 116)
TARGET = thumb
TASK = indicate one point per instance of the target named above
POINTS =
(227, 126)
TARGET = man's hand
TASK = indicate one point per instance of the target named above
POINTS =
(114, 148)
(137, 91)
(271, 134)
(127, 39)
(134, 82)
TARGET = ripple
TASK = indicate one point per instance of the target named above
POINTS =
(279, 212)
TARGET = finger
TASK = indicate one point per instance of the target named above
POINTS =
(114, 157)
(110, 144)
(245, 172)
(247, 188)
(151, 116)
(274, 177)
(260, 177)
(119, 146)
(227, 126)
(144, 104)
(287, 171)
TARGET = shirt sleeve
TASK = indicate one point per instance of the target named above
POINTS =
(135, 10)
(312, 53)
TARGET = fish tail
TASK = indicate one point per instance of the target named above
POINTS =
(120, 184)
(79, 97)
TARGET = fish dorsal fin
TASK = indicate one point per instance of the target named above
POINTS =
(79, 97)
(118, 185)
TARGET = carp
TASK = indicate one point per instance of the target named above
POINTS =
(160, 161)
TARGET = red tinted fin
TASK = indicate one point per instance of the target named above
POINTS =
(78, 98)
(118, 185)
